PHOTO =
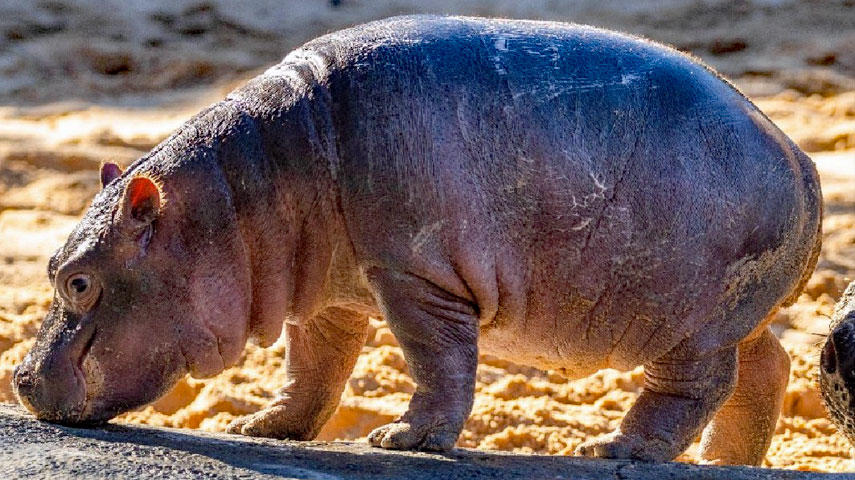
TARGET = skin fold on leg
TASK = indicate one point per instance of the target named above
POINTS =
(681, 394)
(320, 357)
(438, 333)
(741, 431)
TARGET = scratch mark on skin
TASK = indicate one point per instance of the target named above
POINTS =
(601, 214)
(581, 225)
(627, 78)
(420, 240)
(588, 316)
(501, 45)
(499, 68)
(598, 182)
(614, 190)
(619, 341)
(653, 334)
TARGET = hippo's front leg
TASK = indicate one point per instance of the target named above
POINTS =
(438, 333)
(320, 357)
(681, 394)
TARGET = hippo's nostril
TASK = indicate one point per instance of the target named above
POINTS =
(828, 360)
(21, 376)
(842, 336)
(23, 384)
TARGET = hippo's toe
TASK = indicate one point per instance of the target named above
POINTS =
(414, 435)
(274, 422)
(236, 425)
(620, 446)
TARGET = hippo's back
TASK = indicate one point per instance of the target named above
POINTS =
(589, 185)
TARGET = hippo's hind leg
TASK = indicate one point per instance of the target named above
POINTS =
(438, 333)
(681, 393)
(319, 359)
(741, 431)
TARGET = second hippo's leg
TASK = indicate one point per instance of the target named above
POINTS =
(438, 333)
(320, 356)
(681, 394)
(741, 431)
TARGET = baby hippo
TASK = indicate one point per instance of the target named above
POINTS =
(837, 365)
(557, 195)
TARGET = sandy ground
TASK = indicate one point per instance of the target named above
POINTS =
(81, 84)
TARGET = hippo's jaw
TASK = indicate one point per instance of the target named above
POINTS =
(837, 375)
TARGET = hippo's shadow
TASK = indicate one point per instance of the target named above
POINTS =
(320, 460)
(333, 460)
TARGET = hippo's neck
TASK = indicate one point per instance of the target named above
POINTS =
(273, 143)
(276, 157)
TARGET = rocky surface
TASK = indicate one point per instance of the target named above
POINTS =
(33, 449)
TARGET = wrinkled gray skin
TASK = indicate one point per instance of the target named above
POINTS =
(556, 195)
(837, 365)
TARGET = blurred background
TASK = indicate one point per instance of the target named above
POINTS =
(88, 81)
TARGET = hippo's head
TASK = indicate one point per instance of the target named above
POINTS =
(153, 283)
(837, 365)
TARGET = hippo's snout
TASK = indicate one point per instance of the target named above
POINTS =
(837, 365)
(837, 369)
(52, 389)
(24, 383)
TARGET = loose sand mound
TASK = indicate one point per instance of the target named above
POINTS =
(125, 80)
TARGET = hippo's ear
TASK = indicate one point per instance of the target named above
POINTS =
(109, 172)
(141, 202)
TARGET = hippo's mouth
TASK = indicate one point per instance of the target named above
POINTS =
(84, 416)
(77, 415)
(85, 351)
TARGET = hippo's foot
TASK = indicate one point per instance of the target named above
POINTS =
(316, 373)
(680, 396)
(274, 422)
(617, 445)
(415, 433)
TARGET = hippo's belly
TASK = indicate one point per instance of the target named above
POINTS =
(622, 301)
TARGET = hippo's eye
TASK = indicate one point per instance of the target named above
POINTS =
(79, 284)
(81, 291)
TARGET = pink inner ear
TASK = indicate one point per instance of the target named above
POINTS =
(143, 197)
(109, 172)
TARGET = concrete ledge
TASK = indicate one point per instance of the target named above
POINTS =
(33, 449)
